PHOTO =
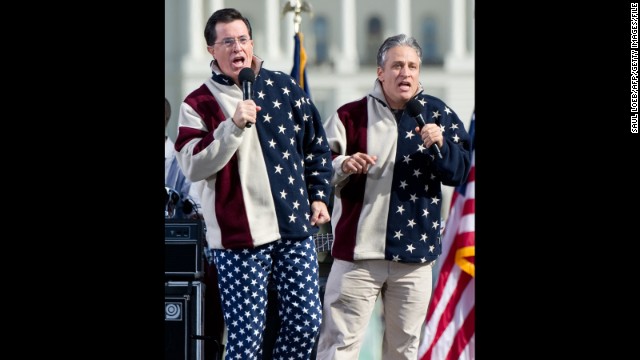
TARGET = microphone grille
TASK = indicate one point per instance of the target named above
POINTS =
(414, 107)
(246, 74)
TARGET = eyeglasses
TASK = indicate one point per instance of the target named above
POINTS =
(230, 42)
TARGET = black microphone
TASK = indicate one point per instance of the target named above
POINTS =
(246, 78)
(414, 108)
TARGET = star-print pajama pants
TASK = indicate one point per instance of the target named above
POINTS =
(243, 277)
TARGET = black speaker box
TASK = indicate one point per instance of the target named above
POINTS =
(184, 320)
(183, 249)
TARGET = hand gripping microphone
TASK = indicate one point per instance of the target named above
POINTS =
(246, 78)
(414, 108)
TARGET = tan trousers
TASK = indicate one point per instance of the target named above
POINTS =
(350, 296)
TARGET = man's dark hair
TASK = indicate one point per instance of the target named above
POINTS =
(224, 16)
(167, 111)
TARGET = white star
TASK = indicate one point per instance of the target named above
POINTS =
(400, 209)
(442, 128)
(398, 234)
(305, 117)
(281, 129)
(421, 147)
(319, 140)
(436, 114)
(320, 194)
(424, 237)
(291, 179)
(425, 212)
(396, 258)
(269, 82)
(285, 155)
(410, 135)
(403, 184)
(447, 110)
(267, 118)
(296, 128)
(417, 173)
(261, 94)
(285, 90)
(413, 197)
(272, 144)
(292, 218)
(278, 169)
(290, 115)
(431, 248)
(276, 104)
(454, 126)
(292, 141)
(296, 204)
(407, 158)
(298, 104)
(410, 248)
(434, 200)
(456, 138)
(411, 223)
(435, 224)
(283, 194)
(422, 101)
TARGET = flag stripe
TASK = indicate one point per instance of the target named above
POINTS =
(445, 326)
(464, 335)
(449, 329)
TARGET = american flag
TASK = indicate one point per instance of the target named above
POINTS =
(449, 332)
(299, 71)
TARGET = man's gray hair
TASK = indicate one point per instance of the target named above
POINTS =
(397, 40)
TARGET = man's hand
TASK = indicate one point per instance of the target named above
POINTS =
(319, 213)
(358, 163)
(246, 113)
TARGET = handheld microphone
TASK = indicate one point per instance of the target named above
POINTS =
(246, 78)
(414, 108)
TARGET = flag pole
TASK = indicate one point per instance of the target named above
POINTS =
(297, 7)
(298, 71)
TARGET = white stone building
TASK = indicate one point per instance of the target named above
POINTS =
(341, 39)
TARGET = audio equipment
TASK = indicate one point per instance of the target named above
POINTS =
(183, 320)
(246, 78)
(183, 249)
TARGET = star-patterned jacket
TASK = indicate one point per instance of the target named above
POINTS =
(393, 211)
(261, 180)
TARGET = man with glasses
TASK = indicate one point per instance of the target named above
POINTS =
(267, 168)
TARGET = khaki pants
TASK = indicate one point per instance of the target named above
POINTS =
(350, 296)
